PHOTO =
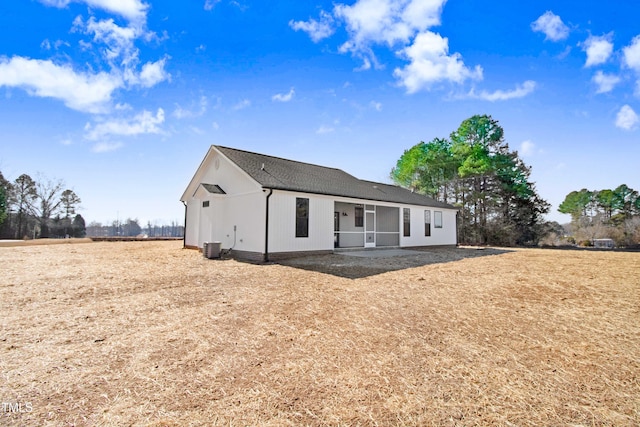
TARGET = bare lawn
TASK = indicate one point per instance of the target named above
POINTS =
(148, 333)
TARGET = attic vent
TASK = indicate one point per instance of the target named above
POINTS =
(262, 167)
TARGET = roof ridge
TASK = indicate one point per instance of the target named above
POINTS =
(282, 158)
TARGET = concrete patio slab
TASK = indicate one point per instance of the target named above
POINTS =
(381, 253)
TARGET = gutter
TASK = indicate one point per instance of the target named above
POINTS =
(266, 228)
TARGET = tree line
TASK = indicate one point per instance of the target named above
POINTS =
(131, 227)
(607, 213)
(38, 209)
(475, 170)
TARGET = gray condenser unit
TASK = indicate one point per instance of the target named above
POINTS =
(211, 249)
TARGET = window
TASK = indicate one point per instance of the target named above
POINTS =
(205, 204)
(302, 217)
(359, 216)
(406, 218)
(437, 219)
(427, 223)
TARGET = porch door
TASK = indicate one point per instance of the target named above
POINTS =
(370, 227)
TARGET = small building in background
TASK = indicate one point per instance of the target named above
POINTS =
(603, 243)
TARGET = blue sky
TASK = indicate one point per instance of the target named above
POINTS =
(122, 98)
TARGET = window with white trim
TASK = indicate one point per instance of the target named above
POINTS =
(302, 217)
(406, 219)
(437, 219)
(427, 223)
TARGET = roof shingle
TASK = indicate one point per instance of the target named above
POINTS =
(282, 174)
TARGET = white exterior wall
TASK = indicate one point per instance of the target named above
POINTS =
(247, 213)
(193, 223)
(439, 236)
(243, 206)
(282, 223)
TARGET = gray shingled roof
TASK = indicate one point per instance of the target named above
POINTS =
(283, 174)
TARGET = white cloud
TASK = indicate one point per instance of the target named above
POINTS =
(376, 105)
(143, 123)
(527, 148)
(551, 25)
(430, 63)
(210, 4)
(605, 82)
(132, 10)
(181, 113)
(387, 21)
(284, 97)
(104, 147)
(153, 73)
(500, 95)
(402, 25)
(119, 41)
(120, 51)
(324, 129)
(245, 103)
(317, 30)
(122, 106)
(80, 91)
(626, 118)
(47, 45)
(598, 49)
(632, 54)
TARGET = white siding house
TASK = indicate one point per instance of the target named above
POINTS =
(262, 207)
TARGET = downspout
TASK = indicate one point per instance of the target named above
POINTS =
(266, 228)
(184, 229)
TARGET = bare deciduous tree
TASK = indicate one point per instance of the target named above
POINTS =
(47, 203)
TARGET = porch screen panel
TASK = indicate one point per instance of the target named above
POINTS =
(387, 226)
(351, 240)
(387, 219)
(387, 239)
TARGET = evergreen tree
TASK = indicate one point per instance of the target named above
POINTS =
(78, 226)
(476, 171)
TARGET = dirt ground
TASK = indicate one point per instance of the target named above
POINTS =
(147, 333)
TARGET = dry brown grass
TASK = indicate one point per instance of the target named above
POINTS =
(150, 334)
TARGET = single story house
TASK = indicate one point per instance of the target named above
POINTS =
(264, 208)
